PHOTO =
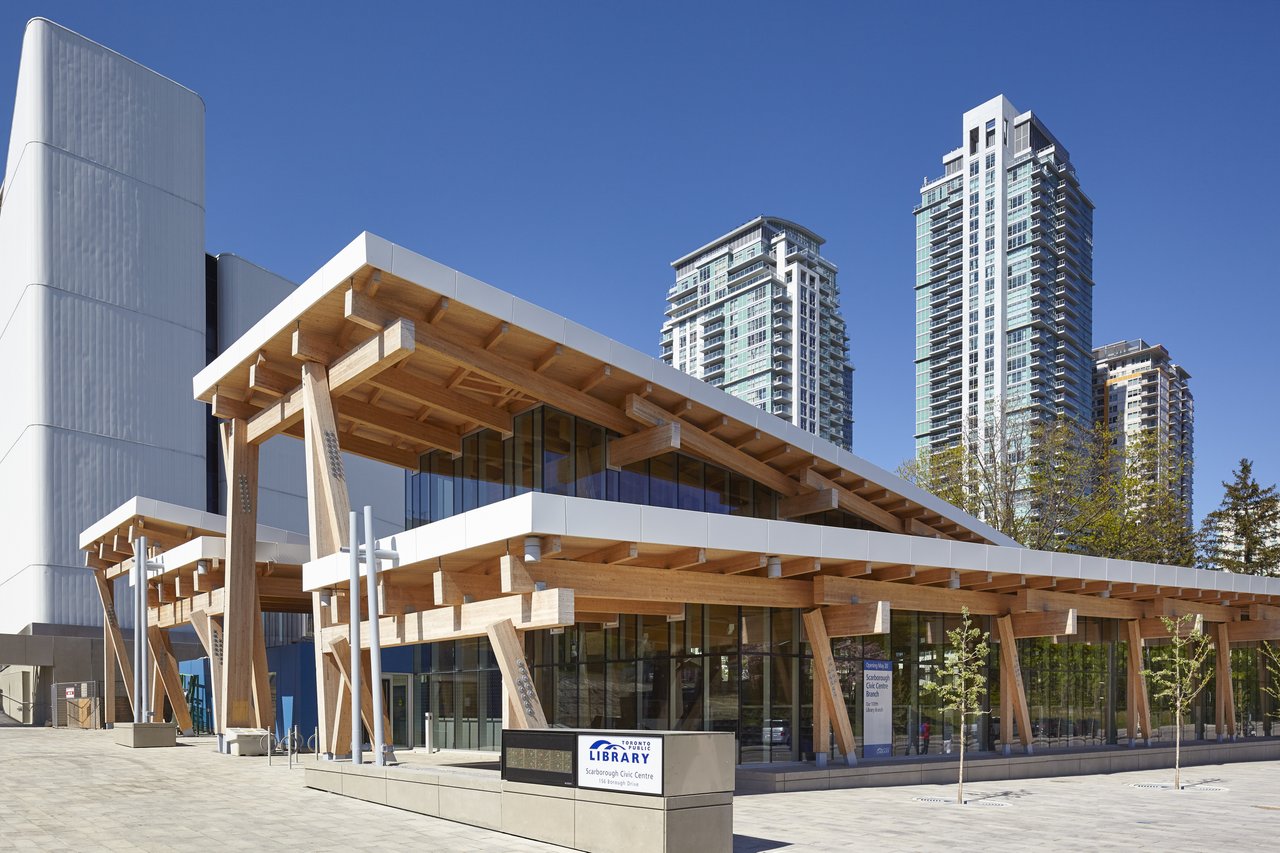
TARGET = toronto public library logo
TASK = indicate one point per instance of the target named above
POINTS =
(607, 750)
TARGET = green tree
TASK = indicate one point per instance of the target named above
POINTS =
(1243, 534)
(1179, 674)
(1057, 487)
(959, 683)
(1136, 510)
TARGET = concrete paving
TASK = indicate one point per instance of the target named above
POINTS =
(79, 790)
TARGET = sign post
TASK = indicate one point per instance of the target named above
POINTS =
(877, 708)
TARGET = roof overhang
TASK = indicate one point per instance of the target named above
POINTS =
(420, 354)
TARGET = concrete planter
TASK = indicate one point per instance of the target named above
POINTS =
(146, 735)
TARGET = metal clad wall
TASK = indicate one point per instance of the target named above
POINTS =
(102, 292)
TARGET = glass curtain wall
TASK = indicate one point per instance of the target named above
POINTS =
(554, 452)
(749, 671)
(461, 688)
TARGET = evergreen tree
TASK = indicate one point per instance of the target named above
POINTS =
(1243, 534)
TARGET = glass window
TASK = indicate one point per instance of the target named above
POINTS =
(717, 486)
(662, 480)
(525, 450)
(557, 452)
(589, 451)
(690, 483)
(442, 485)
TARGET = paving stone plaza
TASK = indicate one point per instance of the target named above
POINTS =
(78, 790)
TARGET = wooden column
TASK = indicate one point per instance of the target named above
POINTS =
(108, 677)
(827, 684)
(113, 646)
(157, 688)
(1226, 697)
(167, 669)
(821, 719)
(264, 710)
(1011, 675)
(1138, 699)
(341, 654)
(517, 681)
(210, 634)
(240, 586)
(328, 509)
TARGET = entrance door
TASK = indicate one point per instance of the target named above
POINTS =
(398, 700)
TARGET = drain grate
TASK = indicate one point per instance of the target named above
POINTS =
(951, 801)
(1168, 786)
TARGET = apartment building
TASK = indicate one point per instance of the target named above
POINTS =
(1138, 389)
(756, 312)
(1004, 280)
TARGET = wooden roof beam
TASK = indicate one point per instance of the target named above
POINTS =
(407, 385)
(437, 311)
(809, 503)
(893, 573)
(267, 381)
(610, 554)
(597, 376)
(399, 425)
(499, 332)
(1045, 623)
(645, 444)
(901, 596)
(393, 345)
(631, 608)
(548, 358)
(444, 344)
(709, 447)
(645, 584)
(735, 565)
(685, 559)
(452, 588)
(857, 620)
(855, 504)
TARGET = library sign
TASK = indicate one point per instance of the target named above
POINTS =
(627, 762)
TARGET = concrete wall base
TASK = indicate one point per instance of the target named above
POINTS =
(145, 735)
(989, 768)
(581, 819)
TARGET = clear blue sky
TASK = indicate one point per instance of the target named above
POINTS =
(567, 152)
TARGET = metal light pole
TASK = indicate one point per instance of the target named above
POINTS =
(141, 661)
(353, 598)
(375, 645)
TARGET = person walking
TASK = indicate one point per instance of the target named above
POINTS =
(924, 737)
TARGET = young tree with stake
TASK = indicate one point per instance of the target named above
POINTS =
(959, 683)
(1271, 659)
(1181, 674)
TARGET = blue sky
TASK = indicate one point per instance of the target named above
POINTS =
(567, 152)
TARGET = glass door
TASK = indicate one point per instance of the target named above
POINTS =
(398, 700)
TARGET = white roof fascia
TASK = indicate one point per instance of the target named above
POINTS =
(539, 514)
(183, 516)
(215, 548)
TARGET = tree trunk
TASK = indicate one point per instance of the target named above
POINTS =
(1177, 751)
(960, 788)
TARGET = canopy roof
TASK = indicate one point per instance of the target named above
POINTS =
(419, 354)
